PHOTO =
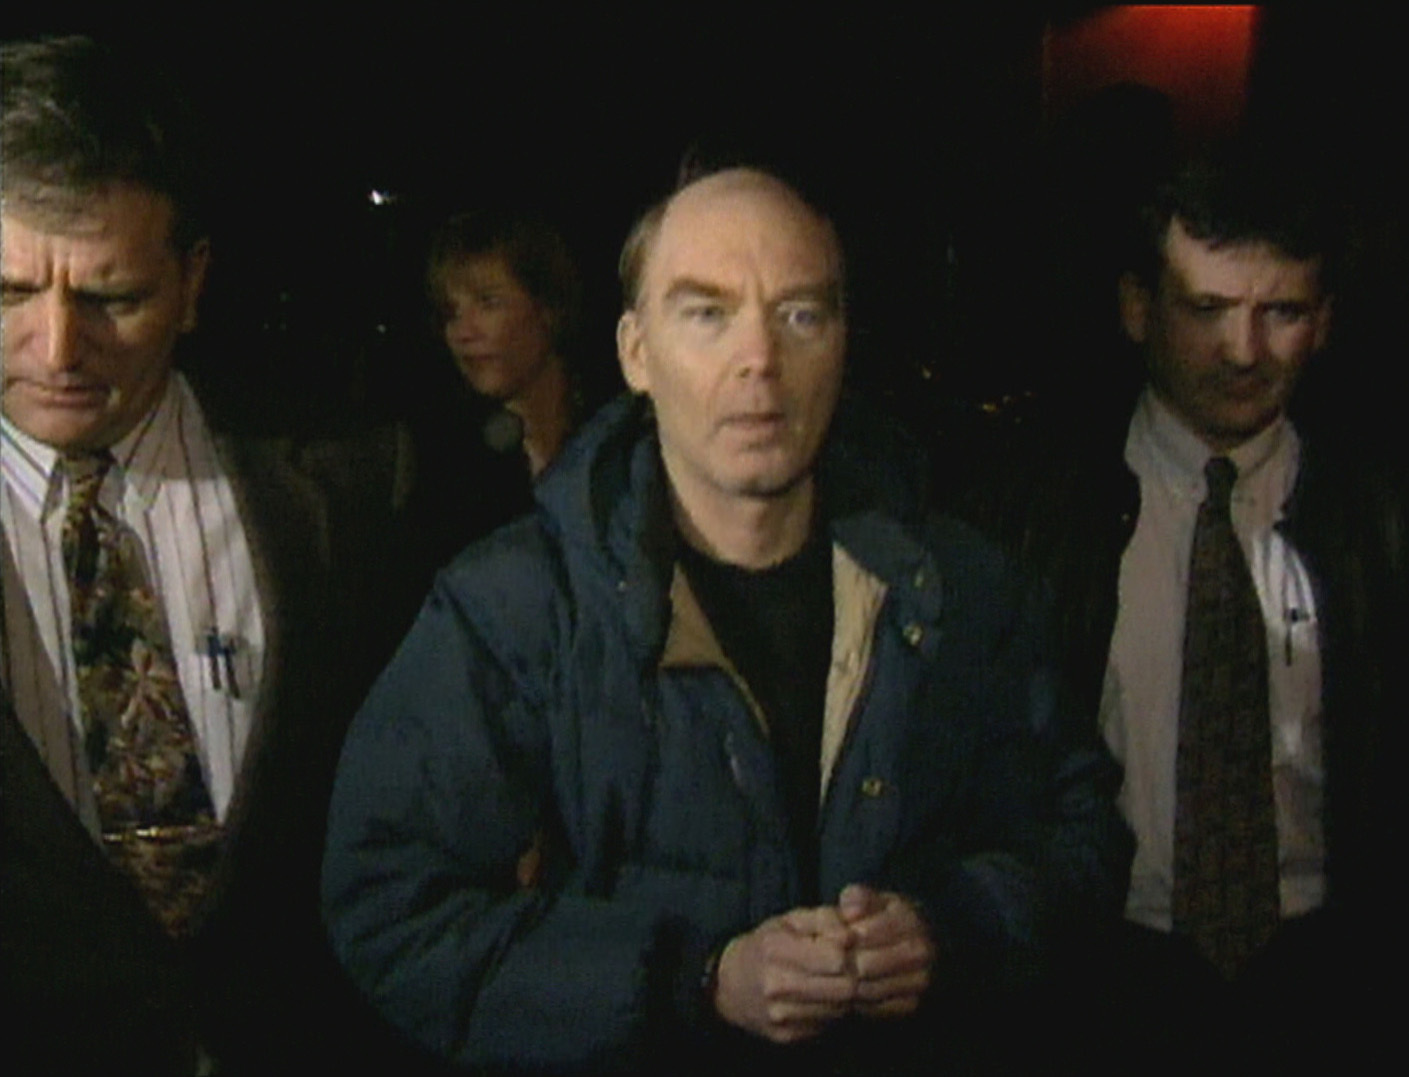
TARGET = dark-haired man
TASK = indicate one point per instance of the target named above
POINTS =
(1231, 592)
(184, 614)
(732, 753)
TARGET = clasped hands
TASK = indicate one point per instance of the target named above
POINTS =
(787, 979)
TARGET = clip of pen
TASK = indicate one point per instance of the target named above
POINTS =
(220, 652)
(1293, 617)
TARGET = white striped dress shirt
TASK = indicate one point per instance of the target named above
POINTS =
(169, 488)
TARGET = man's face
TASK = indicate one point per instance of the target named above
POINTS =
(500, 336)
(93, 305)
(1227, 333)
(738, 337)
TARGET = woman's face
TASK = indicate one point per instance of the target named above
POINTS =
(500, 336)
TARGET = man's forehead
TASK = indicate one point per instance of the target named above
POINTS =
(741, 215)
(94, 212)
(1206, 265)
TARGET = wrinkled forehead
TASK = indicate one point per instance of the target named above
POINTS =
(743, 221)
(1211, 265)
(134, 212)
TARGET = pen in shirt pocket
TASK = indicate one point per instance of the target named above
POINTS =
(219, 650)
(1292, 616)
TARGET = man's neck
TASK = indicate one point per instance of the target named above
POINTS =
(755, 532)
(1184, 448)
(39, 461)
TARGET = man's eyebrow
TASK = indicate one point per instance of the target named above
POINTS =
(115, 290)
(1177, 285)
(689, 287)
(827, 292)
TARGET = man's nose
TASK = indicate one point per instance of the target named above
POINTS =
(1247, 339)
(59, 331)
(758, 345)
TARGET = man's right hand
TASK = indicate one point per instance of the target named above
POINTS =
(788, 977)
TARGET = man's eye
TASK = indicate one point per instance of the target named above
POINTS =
(703, 313)
(803, 318)
(112, 304)
(121, 304)
(12, 294)
(1288, 313)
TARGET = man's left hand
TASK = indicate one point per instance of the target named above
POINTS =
(892, 950)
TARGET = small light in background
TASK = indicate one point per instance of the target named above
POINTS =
(382, 198)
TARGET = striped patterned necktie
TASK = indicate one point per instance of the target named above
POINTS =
(158, 823)
(1225, 829)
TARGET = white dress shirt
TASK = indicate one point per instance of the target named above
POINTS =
(1140, 704)
(168, 487)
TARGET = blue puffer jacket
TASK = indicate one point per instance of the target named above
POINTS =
(562, 693)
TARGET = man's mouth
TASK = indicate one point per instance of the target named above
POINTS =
(1253, 387)
(68, 396)
(755, 420)
(756, 427)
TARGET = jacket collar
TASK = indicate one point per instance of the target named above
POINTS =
(606, 498)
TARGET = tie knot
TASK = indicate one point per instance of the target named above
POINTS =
(86, 472)
(1220, 473)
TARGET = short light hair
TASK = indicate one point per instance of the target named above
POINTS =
(78, 117)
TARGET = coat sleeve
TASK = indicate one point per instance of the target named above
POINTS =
(1083, 846)
(1035, 852)
(444, 783)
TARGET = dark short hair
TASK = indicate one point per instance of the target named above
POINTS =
(697, 165)
(533, 250)
(1237, 194)
(78, 116)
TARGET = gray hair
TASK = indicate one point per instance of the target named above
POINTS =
(78, 117)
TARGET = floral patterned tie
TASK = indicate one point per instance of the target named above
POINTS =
(1225, 826)
(158, 822)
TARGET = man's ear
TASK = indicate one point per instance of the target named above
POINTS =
(194, 264)
(631, 352)
(1135, 300)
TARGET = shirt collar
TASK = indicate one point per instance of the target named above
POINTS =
(145, 456)
(1162, 447)
(27, 469)
(150, 453)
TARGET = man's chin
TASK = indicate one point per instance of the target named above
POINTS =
(1233, 430)
(67, 430)
(769, 485)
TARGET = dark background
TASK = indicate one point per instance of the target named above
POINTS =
(980, 218)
